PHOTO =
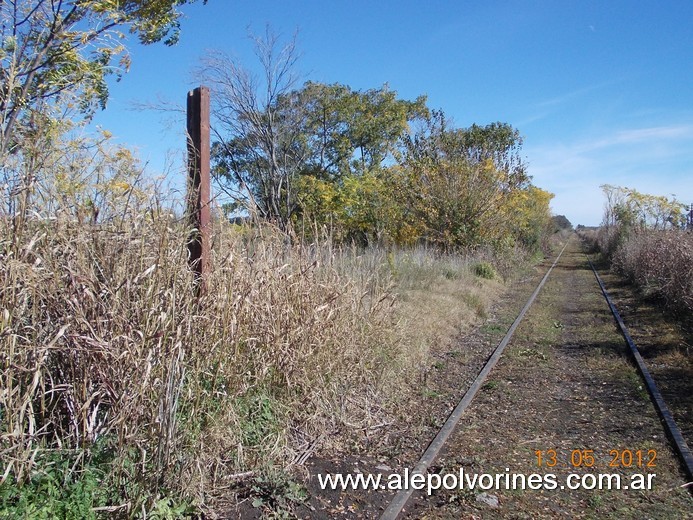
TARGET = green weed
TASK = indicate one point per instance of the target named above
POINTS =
(484, 270)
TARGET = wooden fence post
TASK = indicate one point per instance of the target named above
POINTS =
(199, 184)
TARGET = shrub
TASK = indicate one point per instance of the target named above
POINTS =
(660, 263)
(484, 270)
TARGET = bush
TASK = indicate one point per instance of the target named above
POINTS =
(660, 264)
(484, 270)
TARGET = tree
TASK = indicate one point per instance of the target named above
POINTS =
(628, 208)
(461, 181)
(56, 56)
(348, 181)
(527, 216)
(63, 50)
(561, 222)
(260, 146)
(498, 142)
(271, 136)
(351, 132)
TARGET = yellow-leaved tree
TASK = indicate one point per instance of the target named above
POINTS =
(469, 186)
(527, 215)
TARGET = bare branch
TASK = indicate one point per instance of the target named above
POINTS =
(258, 133)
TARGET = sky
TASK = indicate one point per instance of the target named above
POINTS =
(601, 91)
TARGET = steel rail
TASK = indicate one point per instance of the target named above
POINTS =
(670, 425)
(400, 500)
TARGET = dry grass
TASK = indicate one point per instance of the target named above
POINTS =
(440, 296)
(102, 340)
(107, 362)
(660, 263)
(104, 352)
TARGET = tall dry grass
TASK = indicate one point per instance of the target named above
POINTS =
(101, 341)
(107, 359)
(660, 263)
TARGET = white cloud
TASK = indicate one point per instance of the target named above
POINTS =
(656, 160)
(645, 136)
(577, 93)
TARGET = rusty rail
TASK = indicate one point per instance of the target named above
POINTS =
(670, 425)
(402, 497)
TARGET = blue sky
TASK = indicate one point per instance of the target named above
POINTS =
(602, 91)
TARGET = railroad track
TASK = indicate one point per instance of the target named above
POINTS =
(672, 429)
(400, 500)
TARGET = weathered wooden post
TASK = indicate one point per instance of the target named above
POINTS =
(199, 184)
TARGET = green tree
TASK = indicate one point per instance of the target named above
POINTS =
(351, 132)
(498, 142)
(56, 56)
(460, 180)
(63, 50)
(436, 141)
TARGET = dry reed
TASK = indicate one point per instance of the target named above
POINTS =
(660, 263)
(102, 342)
(105, 353)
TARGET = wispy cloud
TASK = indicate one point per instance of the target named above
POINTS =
(650, 138)
(656, 133)
(656, 160)
(547, 107)
(573, 94)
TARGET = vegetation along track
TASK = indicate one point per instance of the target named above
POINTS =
(565, 389)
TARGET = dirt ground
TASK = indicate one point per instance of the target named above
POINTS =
(564, 391)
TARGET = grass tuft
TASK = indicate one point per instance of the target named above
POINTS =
(484, 270)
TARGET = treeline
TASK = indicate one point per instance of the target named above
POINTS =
(365, 165)
(362, 166)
